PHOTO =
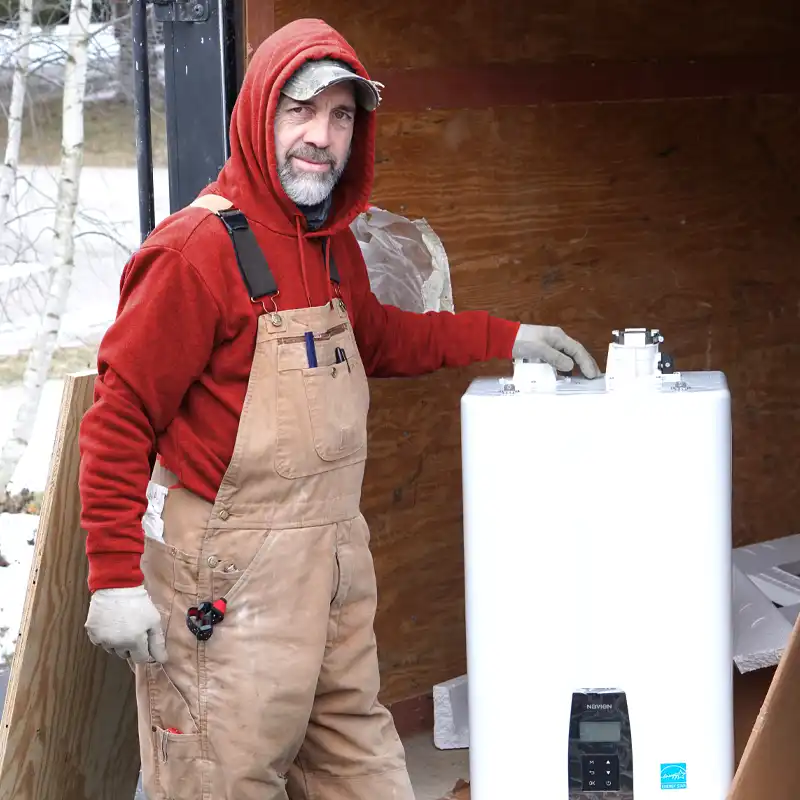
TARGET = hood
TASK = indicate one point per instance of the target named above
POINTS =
(249, 178)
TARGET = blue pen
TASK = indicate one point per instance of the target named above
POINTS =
(311, 350)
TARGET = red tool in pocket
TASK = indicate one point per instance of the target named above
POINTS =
(201, 619)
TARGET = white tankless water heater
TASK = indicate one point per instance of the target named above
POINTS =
(597, 534)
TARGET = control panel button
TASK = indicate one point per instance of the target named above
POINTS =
(600, 773)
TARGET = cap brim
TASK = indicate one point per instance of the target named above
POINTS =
(313, 79)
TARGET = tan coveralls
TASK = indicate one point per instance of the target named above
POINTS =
(281, 701)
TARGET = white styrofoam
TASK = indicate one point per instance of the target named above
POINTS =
(598, 554)
(451, 714)
(774, 567)
(761, 632)
(766, 600)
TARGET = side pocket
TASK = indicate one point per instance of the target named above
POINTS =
(235, 553)
(180, 764)
(158, 566)
(170, 579)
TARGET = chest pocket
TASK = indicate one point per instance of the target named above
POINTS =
(321, 412)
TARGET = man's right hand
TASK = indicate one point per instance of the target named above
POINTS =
(125, 622)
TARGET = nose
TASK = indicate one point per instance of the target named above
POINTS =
(318, 131)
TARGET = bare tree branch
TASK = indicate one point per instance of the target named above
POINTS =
(72, 140)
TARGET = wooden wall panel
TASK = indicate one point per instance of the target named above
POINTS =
(69, 720)
(681, 215)
(387, 33)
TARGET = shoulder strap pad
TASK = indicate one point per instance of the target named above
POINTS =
(250, 257)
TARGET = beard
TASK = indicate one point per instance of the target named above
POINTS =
(309, 188)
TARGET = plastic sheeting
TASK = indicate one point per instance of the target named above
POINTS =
(406, 261)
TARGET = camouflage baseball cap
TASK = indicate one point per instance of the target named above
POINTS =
(316, 76)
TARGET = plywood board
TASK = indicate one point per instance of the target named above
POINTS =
(458, 33)
(681, 215)
(678, 214)
(69, 722)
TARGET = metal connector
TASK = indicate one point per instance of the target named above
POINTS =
(181, 10)
(638, 337)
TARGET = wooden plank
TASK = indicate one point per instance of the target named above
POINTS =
(531, 83)
(259, 23)
(681, 215)
(465, 33)
(461, 791)
(69, 722)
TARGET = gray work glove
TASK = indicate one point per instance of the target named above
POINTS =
(547, 343)
(125, 622)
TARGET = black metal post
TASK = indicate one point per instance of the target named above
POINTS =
(141, 106)
(200, 86)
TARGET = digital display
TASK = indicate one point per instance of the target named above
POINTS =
(592, 730)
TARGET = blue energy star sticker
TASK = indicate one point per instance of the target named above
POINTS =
(673, 776)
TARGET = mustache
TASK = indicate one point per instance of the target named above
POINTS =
(316, 155)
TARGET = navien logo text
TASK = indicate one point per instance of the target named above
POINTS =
(599, 706)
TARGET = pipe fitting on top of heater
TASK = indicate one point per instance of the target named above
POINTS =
(531, 375)
(635, 360)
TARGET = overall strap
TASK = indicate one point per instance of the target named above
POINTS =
(326, 245)
(250, 257)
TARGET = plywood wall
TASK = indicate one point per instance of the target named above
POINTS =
(465, 32)
(682, 214)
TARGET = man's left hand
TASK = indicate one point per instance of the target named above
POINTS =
(552, 345)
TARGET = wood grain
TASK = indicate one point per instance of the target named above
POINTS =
(461, 792)
(69, 722)
(258, 22)
(525, 83)
(468, 32)
(681, 215)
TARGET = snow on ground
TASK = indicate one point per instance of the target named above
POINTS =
(34, 466)
(16, 530)
(107, 232)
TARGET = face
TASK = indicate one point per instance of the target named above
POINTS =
(312, 142)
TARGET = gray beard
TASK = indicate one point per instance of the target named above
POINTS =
(308, 188)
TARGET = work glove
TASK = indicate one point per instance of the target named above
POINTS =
(125, 622)
(550, 344)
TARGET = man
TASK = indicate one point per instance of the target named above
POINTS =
(246, 610)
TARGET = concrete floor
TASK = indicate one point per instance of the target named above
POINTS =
(434, 772)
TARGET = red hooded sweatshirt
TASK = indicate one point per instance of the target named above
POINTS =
(173, 366)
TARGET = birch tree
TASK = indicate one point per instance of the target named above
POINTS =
(41, 353)
(8, 175)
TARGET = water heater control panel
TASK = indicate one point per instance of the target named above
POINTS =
(600, 746)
